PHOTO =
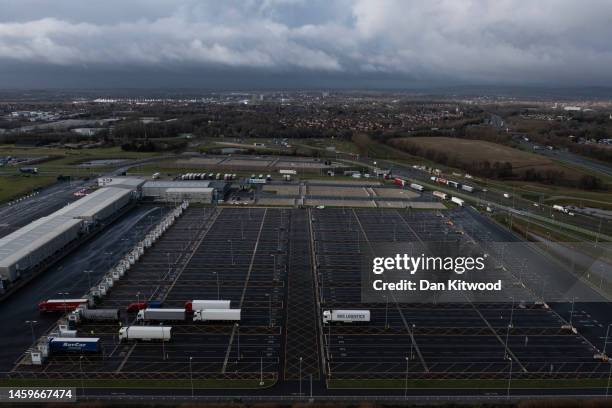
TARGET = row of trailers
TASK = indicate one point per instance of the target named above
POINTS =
(438, 194)
(64, 338)
(208, 176)
(151, 323)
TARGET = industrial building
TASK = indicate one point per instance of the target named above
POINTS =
(98, 205)
(34, 243)
(196, 195)
(193, 190)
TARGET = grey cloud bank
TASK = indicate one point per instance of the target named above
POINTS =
(555, 42)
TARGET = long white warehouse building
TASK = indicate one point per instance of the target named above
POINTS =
(32, 244)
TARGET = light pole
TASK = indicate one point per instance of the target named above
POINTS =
(509, 378)
(32, 323)
(231, 249)
(406, 380)
(64, 294)
(269, 309)
(88, 272)
(191, 375)
(386, 312)
(82, 376)
(218, 287)
(300, 377)
(606, 340)
(238, 337)
(261, 381)
(572, 313)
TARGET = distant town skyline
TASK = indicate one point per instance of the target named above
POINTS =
(381, 44)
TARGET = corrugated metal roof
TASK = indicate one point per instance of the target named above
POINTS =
(24, 241)
(124, 182)
(91, 204)
(176, 184)
(191, 190)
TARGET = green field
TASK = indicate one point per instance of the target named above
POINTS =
(15, 186)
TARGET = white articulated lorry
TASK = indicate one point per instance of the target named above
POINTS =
(205, 315)
(195, 304)
(346, 316)
(146, 333)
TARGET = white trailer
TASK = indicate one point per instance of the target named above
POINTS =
(204, 315)
(458, 201)
(417, 187)
(560, 208)
(146, 333)
(440, 195)
(161, 314)
(346, 316)
(206, 304)
(467, 188)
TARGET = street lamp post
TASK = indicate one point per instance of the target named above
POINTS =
(32, 323)
(386, 312)
(269, 309)
(191, 375)
(238, 337)
(64, 294)
(82, 376)
(300, 376)
(261, 381)
(231, 250)
(88, 272)
(406, 379)
(509, 378)
(218, 287)
(606, 340)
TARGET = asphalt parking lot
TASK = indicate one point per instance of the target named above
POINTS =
(283, 267)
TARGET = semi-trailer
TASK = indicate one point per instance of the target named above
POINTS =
(467, 188)
(61, 305)
(99, 314)
(161, 315)
(440, 195)
(458, 201)
(558, 207)
(136, 306)
(204, 315)
(452, 183)
(346, 316)
(417, 187)
(196, 304)
(75, 344)
(146, 333)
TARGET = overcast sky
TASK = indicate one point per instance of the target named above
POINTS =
(304, 43)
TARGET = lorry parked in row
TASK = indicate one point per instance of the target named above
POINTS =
(195, 305)
(346, 316)
(75, 344)
(458, 201)
(145, 333)
(440, 195)
(162, 315)
(232, 315)
(61, 305)
(417, 187)
(136, 306)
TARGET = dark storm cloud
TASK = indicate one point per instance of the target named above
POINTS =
(453, 41)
